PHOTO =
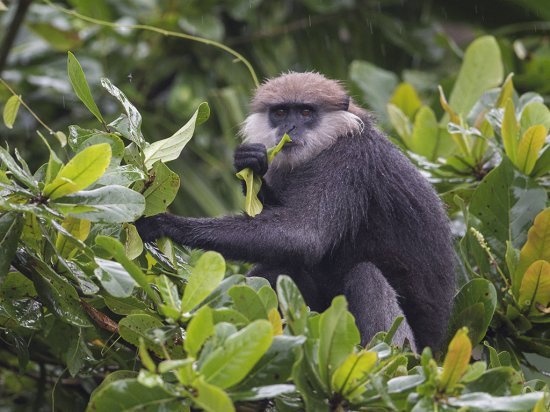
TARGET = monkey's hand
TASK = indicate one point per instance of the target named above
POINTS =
(253, 156)
(151, 228)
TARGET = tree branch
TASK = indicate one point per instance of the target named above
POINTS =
(13, 29)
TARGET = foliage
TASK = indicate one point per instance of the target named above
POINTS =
(91, 318)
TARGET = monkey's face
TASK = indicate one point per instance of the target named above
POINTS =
(297, 120)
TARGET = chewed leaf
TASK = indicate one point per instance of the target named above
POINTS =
(252, 205)
(271, 153)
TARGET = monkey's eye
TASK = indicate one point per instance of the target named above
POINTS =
(306, 112)
(280, 113)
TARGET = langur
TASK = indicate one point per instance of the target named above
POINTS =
(345, 212)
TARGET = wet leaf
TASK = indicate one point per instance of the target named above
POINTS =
(205, 276)
(80, 86)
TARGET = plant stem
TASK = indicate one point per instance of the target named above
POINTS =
(13, 29)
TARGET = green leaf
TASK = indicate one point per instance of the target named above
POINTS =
(10, 111)
(169, 293)
(509, 130)
(54, 163)
(199, 329)
(272, 152)
(535, 287)
(133, 245)
(60, 39)
(473, 307)
(292, 305)
(81, 171)
(133, 117)
(229, 364)
(112, 204)
(534, 113)
(122, 176)
(338, 337)
(126, 395)
(400, 123)
(169, 149)
(406, 99)
(210, 397)
(481, 70)
(349, 378)
(78, 228)
(253, 184)
(116, 249)
(162, 188)
(205, 276)
(114, 278)
(19, 173)
(80, 139)
(125, 306)
(425, 134)
(248, 302)
(536, 248)
(529, 147)
(275, 366)
(486, 402)
(506, 202)
(134, 327)
(11, 227)
(375, 84)
(456, 361)
(80, 86)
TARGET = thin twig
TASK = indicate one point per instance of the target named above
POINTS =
(13, 29)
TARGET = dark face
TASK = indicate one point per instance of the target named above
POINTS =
(294, 119)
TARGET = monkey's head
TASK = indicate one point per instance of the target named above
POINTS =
(313, 110)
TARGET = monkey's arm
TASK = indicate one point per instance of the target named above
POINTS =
(271, 237)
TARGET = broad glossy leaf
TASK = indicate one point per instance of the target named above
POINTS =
(10, 111)
(534, 113)
(473, 307)
(81, 171)
(375, 84)
(400, 123)
(111, 204)
(169, 149)
(349, 378)
(425, 135)
(456, 361)
(15, 286)
(275, 366)
(133, 117)
(11, 226)
(133, 327)
(169, 293)
(529, 147)
(535, 287)
(262, 392)
(162, 188)
(276, 322)
(406, 98)
(199, 329)
(500, 381)
(125, 306)
(231, 362)
(210, 397)
(205, 276)
(114, 278)
(116, 249)
(292, 305)
(506, 202)
(486, 402)
(125, 395)
(509, 130)
(481, 70)
(122, 176)
(80, 139)
(79, 228)
(133, 245)
(80, 86)
(338, 337)
(248, 302)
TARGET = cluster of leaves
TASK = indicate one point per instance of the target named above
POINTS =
(81, 295)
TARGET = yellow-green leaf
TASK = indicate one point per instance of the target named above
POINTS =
(509, 130)
(425, 133)
(536, 248)
(10, 111)
(400, 122)
(272, 152)
(529, 148)
(456, 361)
(79, 228)
(506, 91)
(253, 183)
(81, 171)
(349, 378)
(406, 98)
(276, 322)
(210, 397)
(535, 287)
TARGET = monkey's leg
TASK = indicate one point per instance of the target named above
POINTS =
(373, 303)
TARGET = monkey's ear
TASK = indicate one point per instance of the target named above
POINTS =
(345, 106)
